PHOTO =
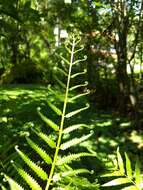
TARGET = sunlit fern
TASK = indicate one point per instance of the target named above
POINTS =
(124, 174)
(58, 164)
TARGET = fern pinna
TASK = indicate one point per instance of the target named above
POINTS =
(59, 167)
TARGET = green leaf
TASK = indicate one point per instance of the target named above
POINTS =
(77, 74)
(115, 182)
(68, 1)
(71, 157)
(48, 121)
(79, 60)
(40, 151)
(54, 92)
(132, 187)
(68, 186)
(64, 59)
(74, 127)
(47, 139)
(75, 172)
(76, 111)
(74, 142)
(79, 96)
(60, 82)
(61, 71)
(28, 179)
(54, 108)
(12, 183)
(128, 166)
(37, 169)
(115, 173)
(138, 178)
(120, 162)
(3, 188)
(78, 86)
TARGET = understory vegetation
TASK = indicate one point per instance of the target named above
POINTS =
(71, 95)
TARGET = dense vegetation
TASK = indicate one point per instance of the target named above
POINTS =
(41, 60)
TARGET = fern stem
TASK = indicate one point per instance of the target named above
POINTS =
(62, 118)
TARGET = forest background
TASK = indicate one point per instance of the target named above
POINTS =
(32, 36)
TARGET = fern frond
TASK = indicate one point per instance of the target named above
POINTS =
(75, 141)
(59, 97)
(79, 96)
(138, 178)
(120, 162)
(80, 49)
(80, 73)
(3, 188)
(75, 172)
(60, 82)
(12, 183)
(64, 59)
(67, 48)
(80, 60)
(74, 127)
(79, 86)
(48, 121)
(71, 157)
(28, 179)
(37, 169)
(62, 163)
(76, 111)
(61, 71)
(54, 108)
(46, 138)
(132, 187)
(125, 173)
(118, 181)
(40, 151)
(128, 166)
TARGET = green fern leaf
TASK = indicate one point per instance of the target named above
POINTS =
(3, 188)
(75, 172)
(79, 60)
(60, 82)
(47, 139)
(37, 169)
(28, 179)
(77, 74)
(78, 86)
(118, 181)
(85, 57)
(54, 92)
(138, 178)
(68, 186)
(54, 108)
(120, 162)
(70, 158)
(132, 187)
(115, 173)
(128, 166)
(61, 71)
(74, 142)
(65, 60)
(79, 96)
(74, 127)
(12, 183)
(48, 121)
(76, 111)
(40, 151)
